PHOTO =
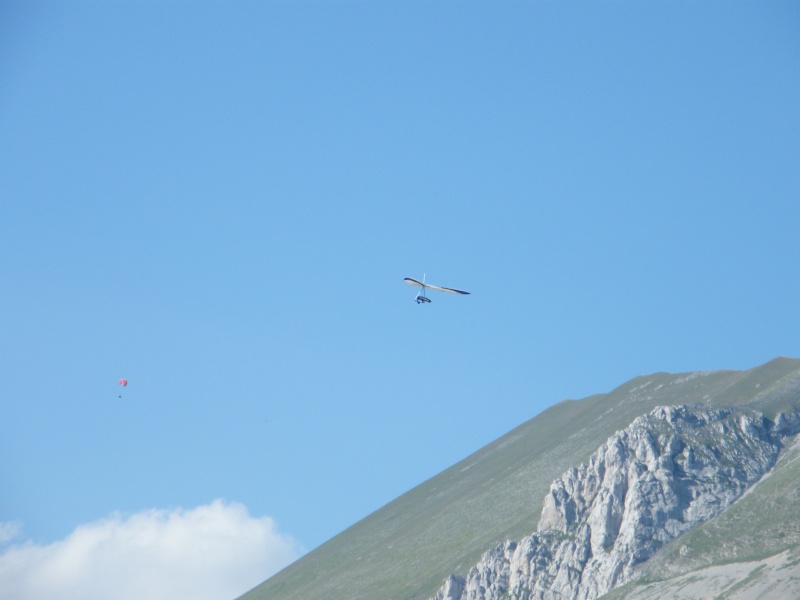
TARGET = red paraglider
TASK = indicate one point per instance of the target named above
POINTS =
(123, 382)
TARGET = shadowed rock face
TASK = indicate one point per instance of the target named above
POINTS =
(645, 486)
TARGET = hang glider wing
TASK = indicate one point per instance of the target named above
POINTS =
(428, 286)
(410, 281)
(448, 290)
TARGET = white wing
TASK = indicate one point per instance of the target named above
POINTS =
(444, 289)
(411, 281)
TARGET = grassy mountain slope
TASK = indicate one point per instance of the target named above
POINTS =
(772, 578)
(407, 548)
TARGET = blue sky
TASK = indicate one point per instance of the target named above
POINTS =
(219, 202)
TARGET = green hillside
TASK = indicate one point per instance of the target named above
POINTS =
(405, 550)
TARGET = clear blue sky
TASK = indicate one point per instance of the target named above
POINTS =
(219, 201)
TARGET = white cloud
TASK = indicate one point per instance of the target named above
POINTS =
(9, 530)
(213, 552)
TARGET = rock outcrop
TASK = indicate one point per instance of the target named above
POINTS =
(648, 484)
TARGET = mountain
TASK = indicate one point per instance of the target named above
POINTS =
(667, 472)
(436, 534)
(751, 550)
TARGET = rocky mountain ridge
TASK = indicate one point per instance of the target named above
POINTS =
(409, 547)
(646, 485)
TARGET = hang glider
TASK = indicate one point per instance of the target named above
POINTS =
(422, 298)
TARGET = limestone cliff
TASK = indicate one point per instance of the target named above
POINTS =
(646, 485)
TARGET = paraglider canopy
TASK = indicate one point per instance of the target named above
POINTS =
(123, 382)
